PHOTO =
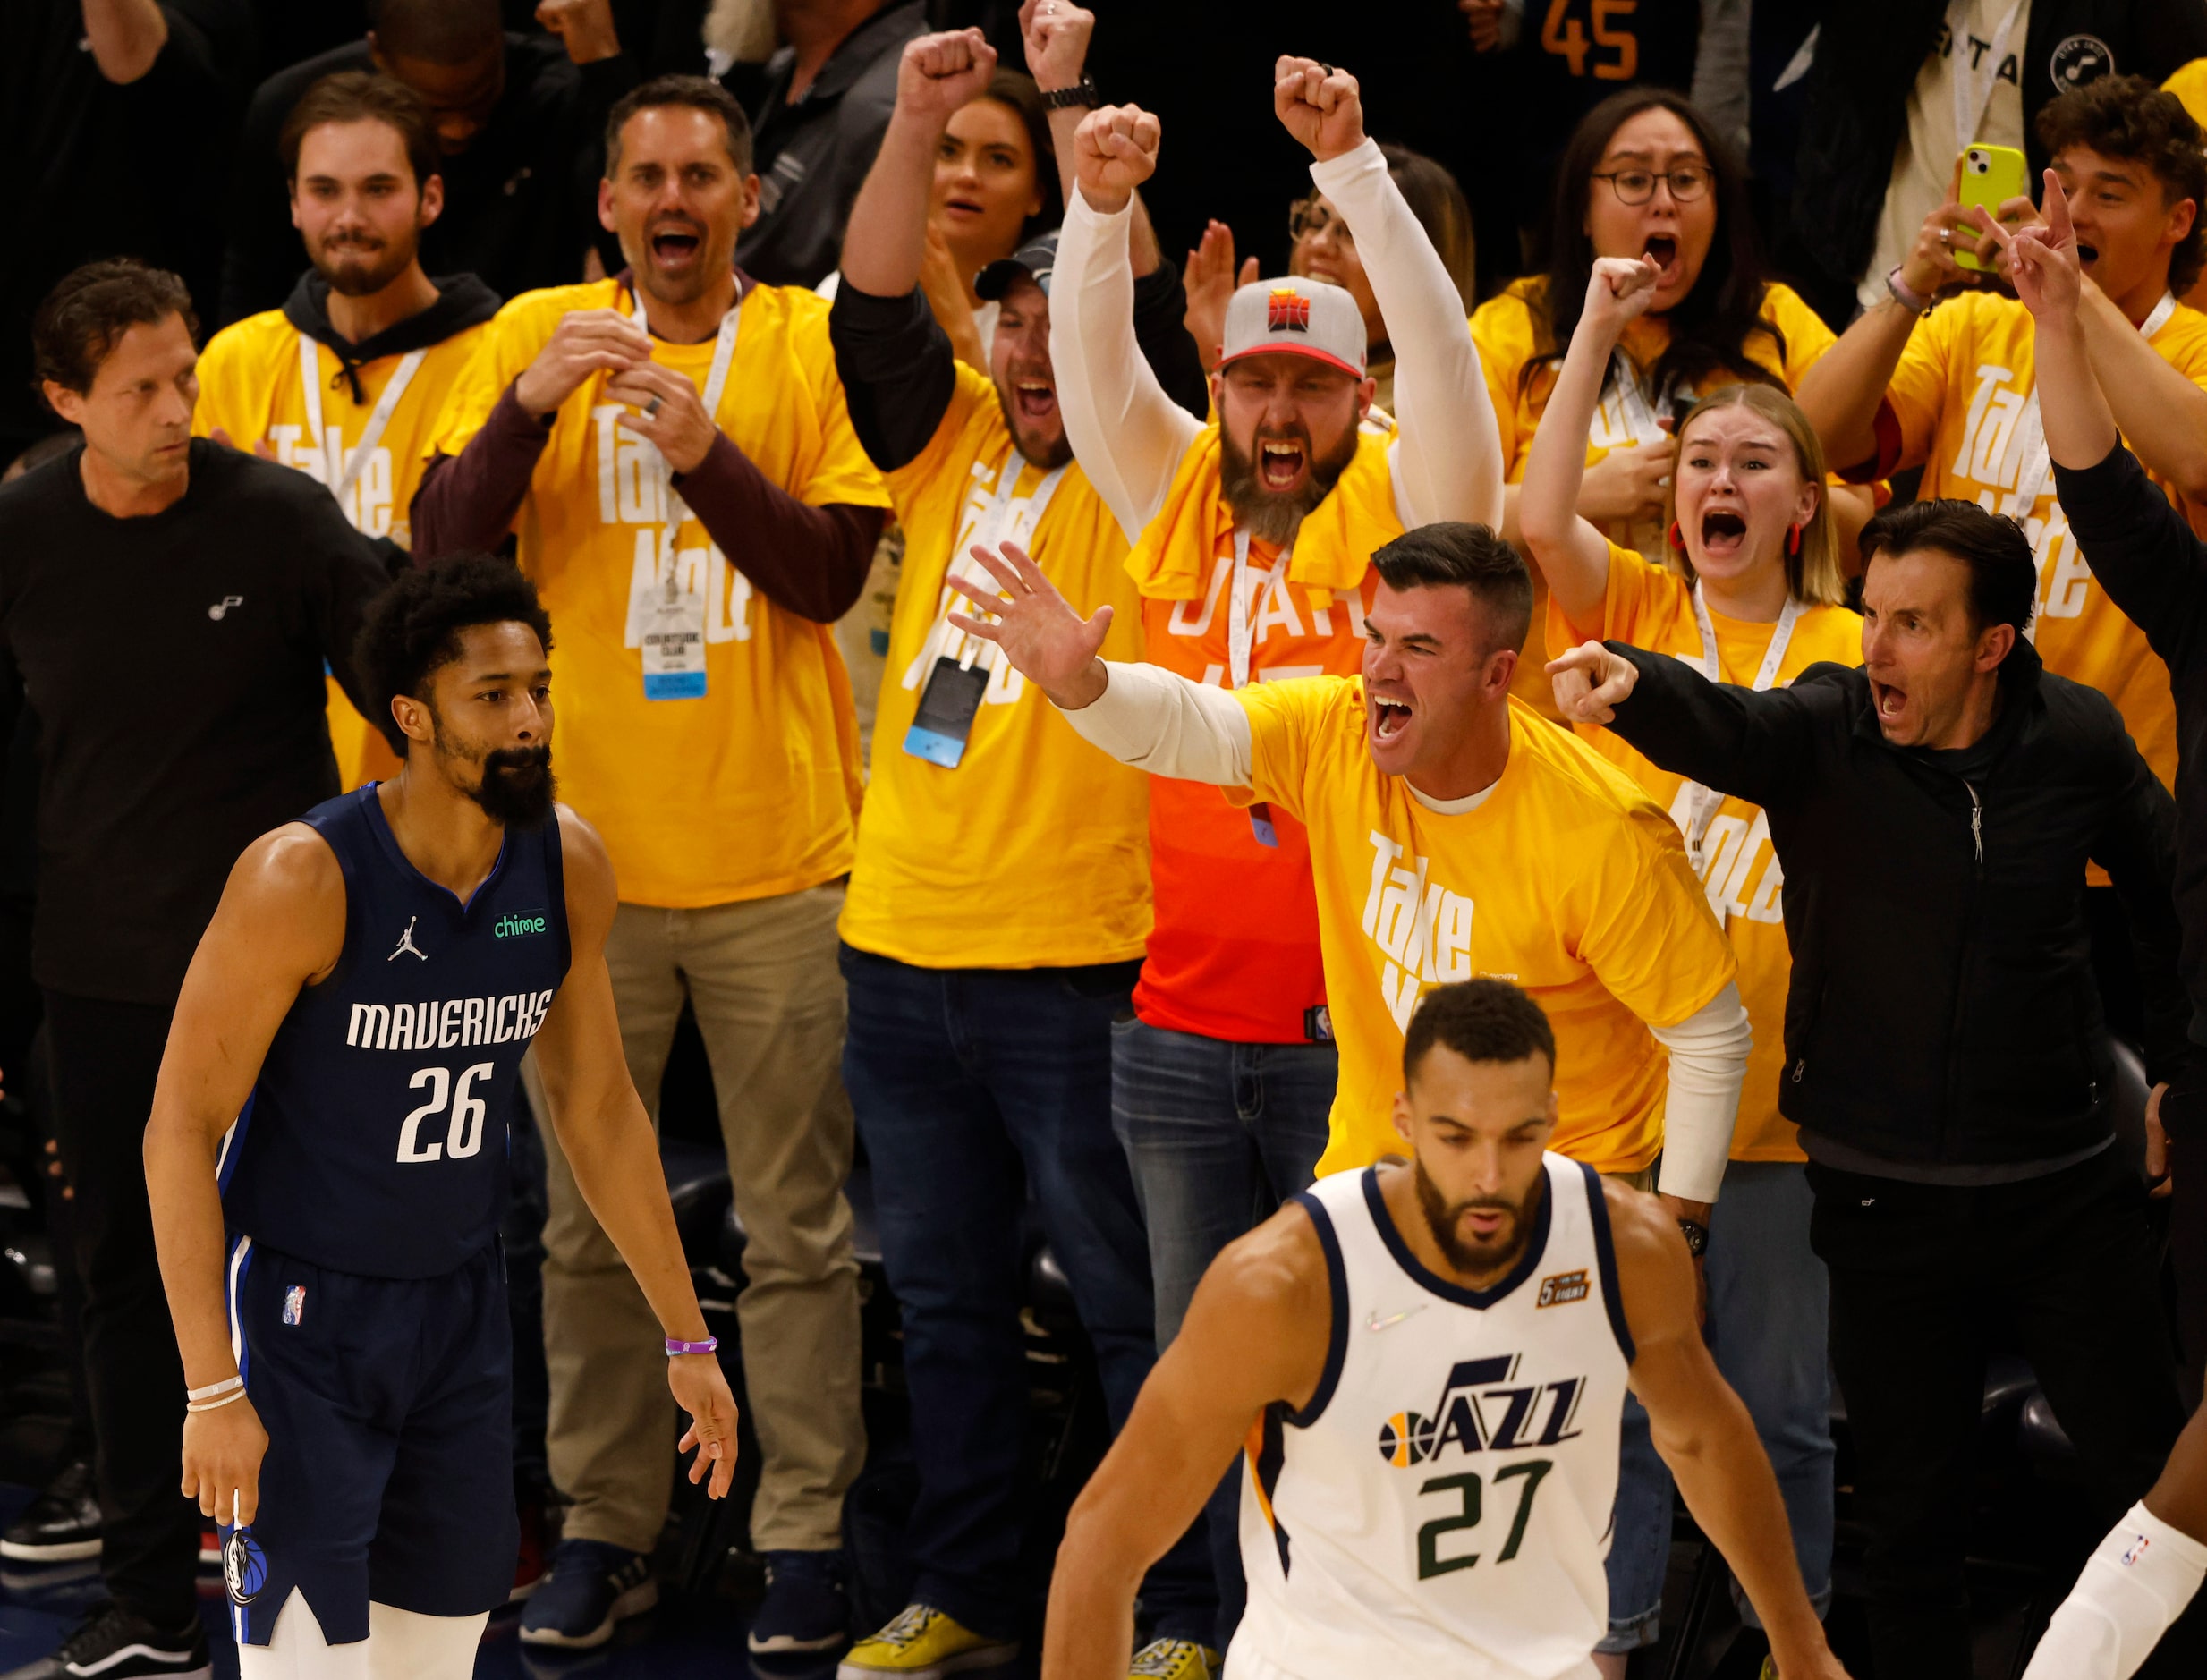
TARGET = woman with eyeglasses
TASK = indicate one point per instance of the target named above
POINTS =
(1644, 175)
(1322, 248)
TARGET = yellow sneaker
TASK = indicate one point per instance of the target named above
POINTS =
(922, 1643)
(1174, 1660)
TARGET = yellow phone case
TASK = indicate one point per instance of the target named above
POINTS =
(1991, 176)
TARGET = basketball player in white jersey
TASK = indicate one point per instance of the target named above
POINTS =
(1425, 1364)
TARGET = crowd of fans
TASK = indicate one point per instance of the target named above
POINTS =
(1734, 470)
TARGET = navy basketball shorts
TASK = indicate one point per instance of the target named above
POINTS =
(388, 1403)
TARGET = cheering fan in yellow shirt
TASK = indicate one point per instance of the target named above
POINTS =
(1751, 594)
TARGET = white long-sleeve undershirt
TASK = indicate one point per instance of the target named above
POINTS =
(1167, 724)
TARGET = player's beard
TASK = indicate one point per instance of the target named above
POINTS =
(1275, 516)
(359, 270)
(1442, 1216)
(517, 786)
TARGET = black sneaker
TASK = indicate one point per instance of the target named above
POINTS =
(115, 1645)
(60, 1525)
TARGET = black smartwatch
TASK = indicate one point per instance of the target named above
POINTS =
(1082, 93)
(1696, 1234)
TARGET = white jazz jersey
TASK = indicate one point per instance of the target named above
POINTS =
(1441, 1510)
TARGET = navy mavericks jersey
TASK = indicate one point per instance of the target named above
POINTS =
(374, 1141)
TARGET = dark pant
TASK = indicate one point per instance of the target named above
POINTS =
(2184, 1116)
(967, 1082)
(1918, 1275)
(106, 1056)
(1217, 1134)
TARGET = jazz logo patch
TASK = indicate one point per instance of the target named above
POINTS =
(1560, 1289)
(244, 1566)
(1286, 310)
(294, 1303)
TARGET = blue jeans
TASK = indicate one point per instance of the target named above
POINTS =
(1769, 1312)
(975, 1088)
(1219, 1134)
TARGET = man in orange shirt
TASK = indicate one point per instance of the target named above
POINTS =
(696, 551)
(1252, 543)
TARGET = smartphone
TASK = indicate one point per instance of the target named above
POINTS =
(1991, 176)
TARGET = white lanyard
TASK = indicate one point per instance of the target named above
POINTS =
(1007, 519)
(716, 382)
(1704, 801)
(1240, 635)
(1633, 399)
(311, 375)
(1974, 81)
(2031, 440)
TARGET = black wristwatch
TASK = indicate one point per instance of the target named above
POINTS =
(1082, 93)
(1696, 1234)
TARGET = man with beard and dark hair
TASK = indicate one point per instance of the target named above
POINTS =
(1436, 1499)
(672, 450)
(171, 605)
(327, 1170)
(346, 381)
(974, 781)
(1251, 540)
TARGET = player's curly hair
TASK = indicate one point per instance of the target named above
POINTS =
(415, 627)
(2130, 118)
(1484, 1020)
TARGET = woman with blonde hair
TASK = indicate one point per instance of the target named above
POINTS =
(1750, 591)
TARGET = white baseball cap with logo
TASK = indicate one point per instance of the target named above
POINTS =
(1301, 318)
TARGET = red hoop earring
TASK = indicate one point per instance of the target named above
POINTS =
(1793, 539)
(1676, 537)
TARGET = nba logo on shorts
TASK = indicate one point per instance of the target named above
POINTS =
(244, 1566)
(295, 1304)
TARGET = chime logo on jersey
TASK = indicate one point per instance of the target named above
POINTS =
(1287, 311)
(1483, 1408)
(244, 1566)
(1424, 931)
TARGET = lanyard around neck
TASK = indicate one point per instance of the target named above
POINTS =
(1973, 79)
(1241, 628)
(342, 476)
(1703, 802)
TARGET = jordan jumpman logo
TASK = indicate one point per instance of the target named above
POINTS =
(406, 945)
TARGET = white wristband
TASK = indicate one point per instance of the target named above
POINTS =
(232, 1398)
(2132, 1588)
(214, 1389)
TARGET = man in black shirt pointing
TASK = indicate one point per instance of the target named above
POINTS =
(171, 604)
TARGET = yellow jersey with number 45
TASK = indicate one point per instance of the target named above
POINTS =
(1566, 879)
(1652, 607)
(742, 782)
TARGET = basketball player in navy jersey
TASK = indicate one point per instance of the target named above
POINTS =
(1435, 1357)
(327, 1157)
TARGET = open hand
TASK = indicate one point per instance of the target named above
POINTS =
(222, 1452)
(585, 342)
(2042, 261)
(940, 74)
(1210, 281)
(1318, 104)
(701, 1390)
(1590, 682)
(1620, 290)
(1631, 481)
(1113, 152)
(664, 407)
(1056, 36)
(1048, 643)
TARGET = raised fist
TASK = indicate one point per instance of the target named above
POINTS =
(1056, 34)
(1319, 106)
(938, 73)
(1115, 152)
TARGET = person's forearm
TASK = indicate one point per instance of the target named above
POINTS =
(886, 234)
(1726, 1479)
(810, 561)
(1572, 555)
(1160, 328)
(898, 370)
(466, 502)
(615, 1160)
(1449, 457)
(1127, 433)
(1088, 1630)
(2159, 409)
(1840, 394)
(189, 1242)
(1708, 1053)
(1685, 723)
(1162, 722)
(125, 36)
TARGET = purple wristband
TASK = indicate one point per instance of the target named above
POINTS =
(706, 1346)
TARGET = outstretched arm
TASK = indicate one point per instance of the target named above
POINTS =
(1706, 1436)
(1126, 432)
(607, 1137)
(1448, 459)
(279, 926)
(1572, 555)
(887, 236)
(1256, 1333)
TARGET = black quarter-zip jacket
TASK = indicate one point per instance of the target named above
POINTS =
(1942, 1007)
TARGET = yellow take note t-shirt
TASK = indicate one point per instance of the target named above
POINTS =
(1652, 607)
(1568, 880)
(253, 389)
(747, 790)
(1029, 807)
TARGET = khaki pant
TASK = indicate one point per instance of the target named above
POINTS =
(762, 979)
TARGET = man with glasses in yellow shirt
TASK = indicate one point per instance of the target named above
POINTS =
(696, 550)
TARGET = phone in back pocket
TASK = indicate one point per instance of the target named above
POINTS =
(1991, 176)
